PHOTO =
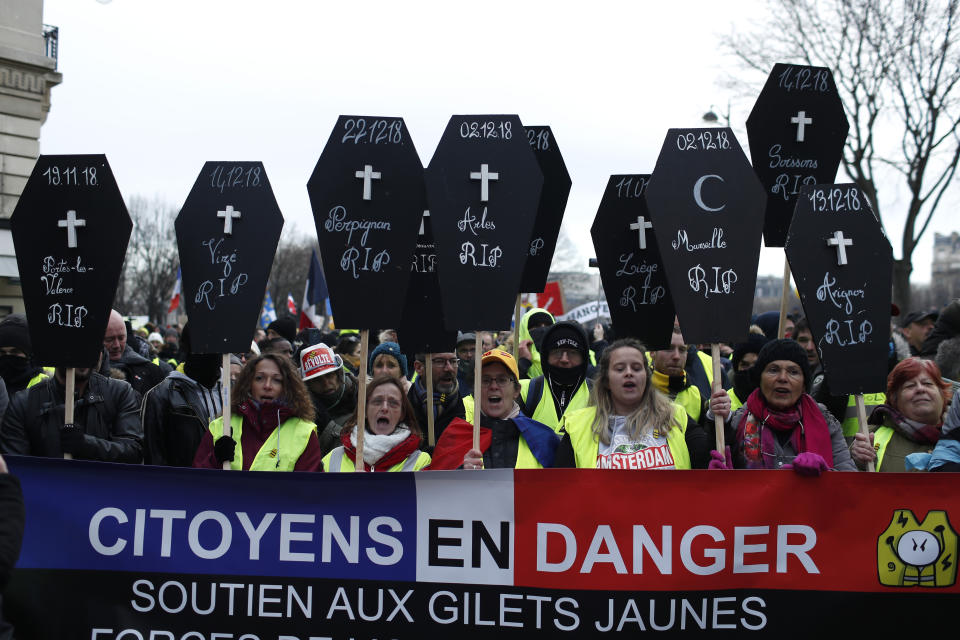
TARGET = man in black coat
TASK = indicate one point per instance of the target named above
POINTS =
(447, 403)
(176, 413)
(142, 374)
(106, 421)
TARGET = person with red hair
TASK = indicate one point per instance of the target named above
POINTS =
(911, 421)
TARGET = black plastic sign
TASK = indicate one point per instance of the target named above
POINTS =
(422, 329)
(707, 204)
(483, 188)
(553, 202)
(630, 265)
(70, 231)
(227, 233)
(843, 266)
(796, 130)
(367, 197)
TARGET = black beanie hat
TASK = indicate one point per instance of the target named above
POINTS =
(565, 334)
(782, 349)
(286, 327)
(753, 344)
(14, 333)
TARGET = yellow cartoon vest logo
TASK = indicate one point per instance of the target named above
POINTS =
(911, 553)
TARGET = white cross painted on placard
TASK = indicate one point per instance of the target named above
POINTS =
(801, 120)
(368, 174)
(228, 216)
(641, 226)
(484, 176)
(423, 220)
(841, 244)
(71, 224)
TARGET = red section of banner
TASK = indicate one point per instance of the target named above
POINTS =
(551, 298)
(693, 530)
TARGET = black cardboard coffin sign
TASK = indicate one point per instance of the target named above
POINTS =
(367, 197)
(553, 202)
(483, 188)
(630, 265)
(70, 231)
(422, 329)
(796, 130)
(706, 204)
(843, 265)
(227, 234)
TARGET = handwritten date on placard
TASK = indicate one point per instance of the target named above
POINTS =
(801, 79)
(71, 176)
(539, 140)
(703, 141)
(487, 130)
(359, 131)
(235, 177)
(836, 199)
(631, 187)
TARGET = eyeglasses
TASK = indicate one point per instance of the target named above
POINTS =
(392, 403)
(792, 372)
(451, 362)
(501, 381)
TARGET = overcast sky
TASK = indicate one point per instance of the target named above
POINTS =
(161, 87)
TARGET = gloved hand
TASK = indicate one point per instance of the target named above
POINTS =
(721, 462)
(71, 439)
(809, 463)
(224, 448)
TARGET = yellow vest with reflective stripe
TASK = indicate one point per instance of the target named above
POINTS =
(850, 423)
(586, 446)
(338, 461)
(280, 451)
(881, 438)
(546, 410)
(525, 457)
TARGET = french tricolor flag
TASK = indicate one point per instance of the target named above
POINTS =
(314, 295)
(175, 298)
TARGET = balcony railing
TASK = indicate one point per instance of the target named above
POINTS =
(51, 35)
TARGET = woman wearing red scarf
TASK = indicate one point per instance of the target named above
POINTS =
(781, 426)
(910, 421)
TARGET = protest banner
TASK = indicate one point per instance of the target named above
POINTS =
(707, 205)
(367, 196)
(227, 234)
(796, 130)
(70, 231)
(630, 265)
(483, 189)
(117, 551)
(843, 264)
(586, 312)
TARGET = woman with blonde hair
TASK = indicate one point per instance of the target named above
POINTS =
(629, 424)
(271, 419)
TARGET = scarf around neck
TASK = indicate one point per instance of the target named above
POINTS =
(804, 422)
(911, 429)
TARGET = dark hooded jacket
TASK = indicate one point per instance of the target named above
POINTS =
(142, 374)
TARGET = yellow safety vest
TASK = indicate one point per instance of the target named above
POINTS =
(881, 438)
(735, 401)
(850, 423)
(586, 446)
(276, 454)
(546, 410)
(525, 457)
(337, 461)
(37, 379)
(689, 399)
(707, 362)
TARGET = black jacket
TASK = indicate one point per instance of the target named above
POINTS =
(142, 374)
(175, 415)
(446, 407)
(107, 413)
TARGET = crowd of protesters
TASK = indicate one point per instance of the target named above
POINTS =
(572, 397)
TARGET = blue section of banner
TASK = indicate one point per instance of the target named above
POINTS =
(194, 521)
